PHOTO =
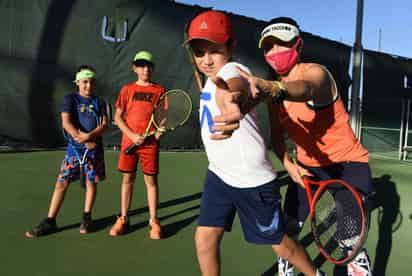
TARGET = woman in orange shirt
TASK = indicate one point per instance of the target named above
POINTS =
(307, 107)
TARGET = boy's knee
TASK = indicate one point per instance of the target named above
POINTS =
(206, 240)
(150, 184)
(128, 180)
(62, 186)
(201, 241)
(150, 181)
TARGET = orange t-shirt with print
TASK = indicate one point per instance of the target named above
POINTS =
(137, 103)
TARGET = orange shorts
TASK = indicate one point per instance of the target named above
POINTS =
(148, 156)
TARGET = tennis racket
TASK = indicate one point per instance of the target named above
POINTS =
(171, 111)
(196, 73)
(89, 120)
(337, 217)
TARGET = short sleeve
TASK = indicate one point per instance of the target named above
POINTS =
(229, 71)
(68, 103)
(102, 107)
(122, 99)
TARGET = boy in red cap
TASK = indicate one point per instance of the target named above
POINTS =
(240, 177)
(134, 108)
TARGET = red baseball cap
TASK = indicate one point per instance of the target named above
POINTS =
(214, 26)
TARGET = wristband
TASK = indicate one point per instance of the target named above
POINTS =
(282, 94)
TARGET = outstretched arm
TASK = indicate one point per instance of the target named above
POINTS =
(228, 95)
(315, 85)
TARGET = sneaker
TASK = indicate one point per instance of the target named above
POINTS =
(86, 226)
(46, 226)
(155, 231)
(285, 268)
(120, 226)
(360, 266)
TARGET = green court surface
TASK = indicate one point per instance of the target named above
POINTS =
(28, 180)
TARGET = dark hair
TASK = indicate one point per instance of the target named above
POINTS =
(284, 19)
(85, 67)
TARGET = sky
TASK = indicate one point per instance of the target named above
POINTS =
(387, 25)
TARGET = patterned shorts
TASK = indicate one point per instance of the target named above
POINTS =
(94, 169)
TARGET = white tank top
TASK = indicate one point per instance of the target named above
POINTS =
(242, 160)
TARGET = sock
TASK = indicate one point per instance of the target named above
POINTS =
(87, 215)
(320, 273)
(51, 220)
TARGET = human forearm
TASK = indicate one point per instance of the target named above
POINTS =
(294, 91)
(121, 124)
(279, 148)
(70, 129)
(99, 130)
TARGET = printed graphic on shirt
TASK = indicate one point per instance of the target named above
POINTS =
(206, 114)
(142, 96)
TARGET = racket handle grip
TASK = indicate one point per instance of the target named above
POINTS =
(82, 177)
(130, 149)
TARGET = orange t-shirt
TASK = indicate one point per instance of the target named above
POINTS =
(323, 136)
(137, 102)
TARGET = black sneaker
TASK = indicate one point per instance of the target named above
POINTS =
(86, 226)
(46, 227)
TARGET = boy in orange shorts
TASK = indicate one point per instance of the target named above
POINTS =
(134, 107)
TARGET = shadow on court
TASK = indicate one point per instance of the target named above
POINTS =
(168, 229)
(386, 203)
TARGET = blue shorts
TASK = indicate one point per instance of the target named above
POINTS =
(259, 209)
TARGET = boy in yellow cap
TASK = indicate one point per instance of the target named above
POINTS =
(86, 131)
(134, 108)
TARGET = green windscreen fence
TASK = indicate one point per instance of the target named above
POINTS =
(386, 88)
(44, 41)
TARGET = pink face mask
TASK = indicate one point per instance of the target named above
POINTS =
(284, 61)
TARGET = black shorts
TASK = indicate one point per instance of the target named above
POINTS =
(296, 206)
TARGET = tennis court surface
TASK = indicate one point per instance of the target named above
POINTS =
(28, 181)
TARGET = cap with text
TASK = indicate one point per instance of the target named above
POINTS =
(283, 31)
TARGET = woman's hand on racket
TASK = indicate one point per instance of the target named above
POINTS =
(228, 104)
(296, 172)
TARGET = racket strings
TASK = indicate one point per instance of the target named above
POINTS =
(172, 110)
(337, 223)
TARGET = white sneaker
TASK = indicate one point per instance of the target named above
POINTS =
(320, 273)
(285, 268)
(360, 266)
